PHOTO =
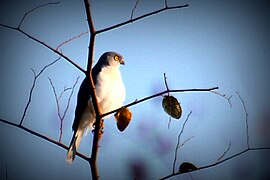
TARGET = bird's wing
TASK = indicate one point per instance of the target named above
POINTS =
(95, 72)
(84, 95)
(82, 101)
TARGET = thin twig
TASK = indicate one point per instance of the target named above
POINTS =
(190, 176)
(57, 99)
(58, 109)
(169, 122)
(139, 18)
(67, 107)
(167, 87)
(178, 142)
(32, 10)
(71, 39)
(166, 4)
(69, 98)
(166, 83)
(33, 86)
(246, 117)
(185, 141)
(224, 96)
(225, 152)
(133, 10)
(63, 92)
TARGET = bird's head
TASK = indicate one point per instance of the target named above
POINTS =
(111, 59)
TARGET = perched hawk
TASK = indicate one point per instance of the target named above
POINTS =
(110, 92)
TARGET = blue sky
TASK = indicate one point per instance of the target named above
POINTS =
(210, 43)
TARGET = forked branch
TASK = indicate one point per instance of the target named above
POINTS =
(33, 86)
(18, 29)
(178, 142)
(60, 115)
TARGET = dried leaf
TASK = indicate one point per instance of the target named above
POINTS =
(122, 117)
(187, 167)
(172, 107)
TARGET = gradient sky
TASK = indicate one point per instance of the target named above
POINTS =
(210, 43)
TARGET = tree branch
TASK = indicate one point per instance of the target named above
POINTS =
(42, 137)
(57, 99)
(159, 94)
(71, 39)
(32, 88)
(46, 45)
(224, 96)
(18, 29)
(93, 162)
(133, 10)
(178, 142)
(246, 117)
(225, 152)
(32, 10)
(166, 4)
(139, 18)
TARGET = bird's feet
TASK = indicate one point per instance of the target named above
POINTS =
(100, 130)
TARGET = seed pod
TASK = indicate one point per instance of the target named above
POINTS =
(172, 107)
(122, 117)
(187, 167)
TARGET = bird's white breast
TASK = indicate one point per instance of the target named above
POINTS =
(110, 89)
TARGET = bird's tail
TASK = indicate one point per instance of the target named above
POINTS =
(74, 145)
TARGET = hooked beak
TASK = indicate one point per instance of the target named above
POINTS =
(122, 62)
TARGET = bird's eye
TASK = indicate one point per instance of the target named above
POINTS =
(116, 57)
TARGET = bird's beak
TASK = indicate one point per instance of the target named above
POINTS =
(122, 61)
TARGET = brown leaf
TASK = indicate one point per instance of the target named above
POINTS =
(172, 107)
(122, 117)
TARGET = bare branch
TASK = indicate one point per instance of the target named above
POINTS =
(166, 4)
(57, 99)
(46, 45)
(32, 10)
(184, 142)
(160, 94)
(169, 122)
(63, 92)
(140, 17)
(32, 88)
(178, 142)
(167, 87)
(42, 137)
(246, 117)
(225, 152)
(93, 162)
(58, 109)
(165, 82)
(224, 96)
(133, 10)
(71, 39)
(69, 98)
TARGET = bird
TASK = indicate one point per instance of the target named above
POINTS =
(110, 91)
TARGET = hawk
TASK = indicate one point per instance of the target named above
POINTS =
(110, 92)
